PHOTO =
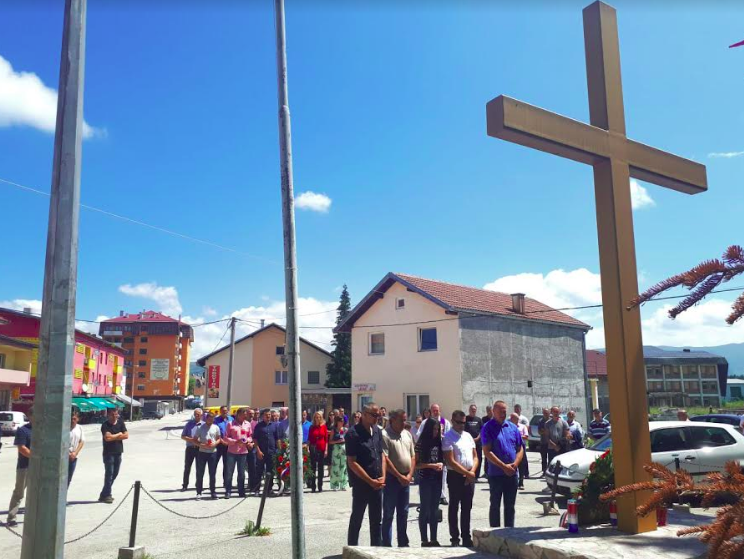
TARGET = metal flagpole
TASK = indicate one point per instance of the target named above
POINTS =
(46, 499)
(290, 283)
(230, 366)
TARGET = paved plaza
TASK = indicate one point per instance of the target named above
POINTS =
(154, 455)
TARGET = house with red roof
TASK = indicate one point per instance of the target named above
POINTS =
(416, 342)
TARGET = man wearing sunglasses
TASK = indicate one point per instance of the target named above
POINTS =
(461, 457)
(367, 471)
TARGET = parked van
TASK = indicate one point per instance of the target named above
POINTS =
(10, 421)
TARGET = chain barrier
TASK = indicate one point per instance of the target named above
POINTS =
(240, 502)
(74, 540)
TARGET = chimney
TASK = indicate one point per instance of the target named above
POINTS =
(121, 313)
(686, 350)
(518, 303)
(263, 322)
(26, 310)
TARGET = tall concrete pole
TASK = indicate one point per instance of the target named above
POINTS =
(290, 288)
(230, 367)
(46, 498)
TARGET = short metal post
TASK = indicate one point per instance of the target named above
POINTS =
(267, 488)
(676, 464)
(135, 512)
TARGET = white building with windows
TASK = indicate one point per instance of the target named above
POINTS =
(416, 342)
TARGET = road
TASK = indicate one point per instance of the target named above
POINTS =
(154, 455)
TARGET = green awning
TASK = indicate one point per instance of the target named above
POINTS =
(83, 404)
(103, 403)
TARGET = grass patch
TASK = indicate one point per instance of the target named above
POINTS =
(251, 530)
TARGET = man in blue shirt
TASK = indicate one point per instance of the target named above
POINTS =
(192, 446)
(23, 442)
(503, 449)
(266, 435)
(305, 427)
(599, 427)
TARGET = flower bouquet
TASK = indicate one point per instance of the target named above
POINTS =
(282, 464)
(601, 479)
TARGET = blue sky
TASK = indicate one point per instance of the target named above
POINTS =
(388, 114)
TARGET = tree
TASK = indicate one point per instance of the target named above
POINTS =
(702, 280)
(338, 371)
(192, 385)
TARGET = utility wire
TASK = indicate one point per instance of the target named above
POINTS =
(149, 225)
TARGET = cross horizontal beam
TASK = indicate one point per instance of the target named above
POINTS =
(537, 128)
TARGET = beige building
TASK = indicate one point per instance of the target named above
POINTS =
(259, 376)
(416, 342)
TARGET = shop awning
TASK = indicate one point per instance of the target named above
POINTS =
(85, 405)
(128, 401)
(106, 403)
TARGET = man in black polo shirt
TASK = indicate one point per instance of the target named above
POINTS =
(114, 434)
(473, 426)
(366, 475)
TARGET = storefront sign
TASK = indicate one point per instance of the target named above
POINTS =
(364, 387)
(159, 369)
(79, 348)
(79, 373)
(213, 381)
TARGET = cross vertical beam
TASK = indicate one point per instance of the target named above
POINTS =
(46, 499)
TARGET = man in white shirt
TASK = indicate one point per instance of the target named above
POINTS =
(77, 442)
(522, 418)
(461, 458)
(208, 437)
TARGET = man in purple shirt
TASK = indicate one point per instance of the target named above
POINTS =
(503, 449)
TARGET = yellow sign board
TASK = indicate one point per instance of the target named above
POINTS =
(79, 348)
(79, 373)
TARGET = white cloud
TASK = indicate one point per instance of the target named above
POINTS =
(20, 304)
(726, 154)
(91, 327)
(702, 325)
(208, 311)
(26, 101)
(165, 298)
(639, 196)
(313, 312)
(314, 202)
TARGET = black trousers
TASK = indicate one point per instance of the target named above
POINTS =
(479, 451)
(317, 460)
(524, 469)
(190, 455)
(221, 452)
(363, 496)
(253, 479)
(460, 496)
(264, 467)
(544, 457)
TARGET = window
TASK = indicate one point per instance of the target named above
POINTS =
(142, 374)
(143, 339)
(655, 386)
(2, 360)
(277, 404)
(692, 386)
(735, 391)
(313, 377)
(280, 377)
(101, 356)
(128, 340)
(280, 350)
(364, 399)
(427, 339)
(143, 352)
(142, 363)
(704, 437)
(671, 371)
(377, 344)
(140, 387)
(690, 371)
(708, 371)
(710, 387)
(416, 404)
(674, 386)
(668, 440)
(654, 372)
(400, 304)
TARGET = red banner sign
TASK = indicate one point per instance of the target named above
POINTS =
(213, 376)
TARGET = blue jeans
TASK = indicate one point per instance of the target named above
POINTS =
(430, 491)
(506, 487)
(71, 471)
(230, 461)
(203, 461)
(111, 465)
(395, 500)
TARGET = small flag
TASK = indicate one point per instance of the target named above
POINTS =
(613, 513)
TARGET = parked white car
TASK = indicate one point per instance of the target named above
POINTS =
(10, 421)
(700, 447)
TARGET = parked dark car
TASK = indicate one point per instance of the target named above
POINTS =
(726, 418)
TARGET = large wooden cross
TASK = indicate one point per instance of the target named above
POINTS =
(615, 159)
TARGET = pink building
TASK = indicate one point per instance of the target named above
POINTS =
(98, 366)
